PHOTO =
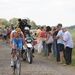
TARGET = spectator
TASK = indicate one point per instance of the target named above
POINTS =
(0, 33)
(5, 34)
(67, 38)
(43, 36)
(48, 35)
(60, 43)
(54, 37)
(39, 40)
(54, 42)
(8, 34)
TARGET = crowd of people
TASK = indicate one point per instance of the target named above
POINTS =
(5, 34)
(52, 41)
(55, 41)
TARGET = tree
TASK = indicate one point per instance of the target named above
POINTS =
(4, 21)
(14, 22)
(28, 20)
(33, 25)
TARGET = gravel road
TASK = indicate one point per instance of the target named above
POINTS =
(40, 65)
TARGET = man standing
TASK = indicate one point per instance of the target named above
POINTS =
(67, 38)
(60, 43)
(39, 40)
(43, 36)
(5, 34)
(55, 45)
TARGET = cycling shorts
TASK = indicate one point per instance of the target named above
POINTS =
(17, 42)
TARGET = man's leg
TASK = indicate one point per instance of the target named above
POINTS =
(58, 55)
(19, 45)
(68, 55)
(13, 53)
(61, 56)
(61, 49)
(12, 56)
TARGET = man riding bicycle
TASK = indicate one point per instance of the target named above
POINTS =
(16, 41)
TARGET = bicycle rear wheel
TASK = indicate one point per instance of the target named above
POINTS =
(18, 67)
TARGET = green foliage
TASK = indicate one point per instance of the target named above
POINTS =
(33, 25)
(72, 32)
(13, 21)
(4, 22)
(28, 20)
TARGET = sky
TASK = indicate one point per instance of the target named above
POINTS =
(42, 12)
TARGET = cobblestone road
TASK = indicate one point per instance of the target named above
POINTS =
(40, 66)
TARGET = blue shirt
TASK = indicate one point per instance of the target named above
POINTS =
(59, 40)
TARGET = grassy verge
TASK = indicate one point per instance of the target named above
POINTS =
(72, 65)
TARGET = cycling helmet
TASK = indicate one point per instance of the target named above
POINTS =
(18, 30)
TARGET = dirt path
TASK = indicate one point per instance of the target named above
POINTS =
(40, 66)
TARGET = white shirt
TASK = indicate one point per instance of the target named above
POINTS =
(5, 32)
(68, 38)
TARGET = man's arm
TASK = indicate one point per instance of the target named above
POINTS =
(65, 38)
(24, 42)
(57, 37)
(11, 43)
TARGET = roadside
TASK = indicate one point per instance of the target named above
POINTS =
(54, 60)
(40, 65)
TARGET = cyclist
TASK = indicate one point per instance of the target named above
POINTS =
(16, 41)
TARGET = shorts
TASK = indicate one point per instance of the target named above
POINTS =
(60, 47)
(18, 43)
(5, 37)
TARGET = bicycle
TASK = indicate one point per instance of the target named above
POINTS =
(17, 63)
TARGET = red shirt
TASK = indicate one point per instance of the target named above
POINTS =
(43, 33)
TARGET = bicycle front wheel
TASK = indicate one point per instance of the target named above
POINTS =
(18, 67)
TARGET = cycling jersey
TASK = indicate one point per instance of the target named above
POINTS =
(17, 38)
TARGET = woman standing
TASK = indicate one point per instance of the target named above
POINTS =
(49, 40)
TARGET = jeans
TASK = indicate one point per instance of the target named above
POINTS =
(54, 48)
(45, 48)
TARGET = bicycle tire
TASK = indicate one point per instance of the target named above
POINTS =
(29, 56)
(14, 67)
(18, 67)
